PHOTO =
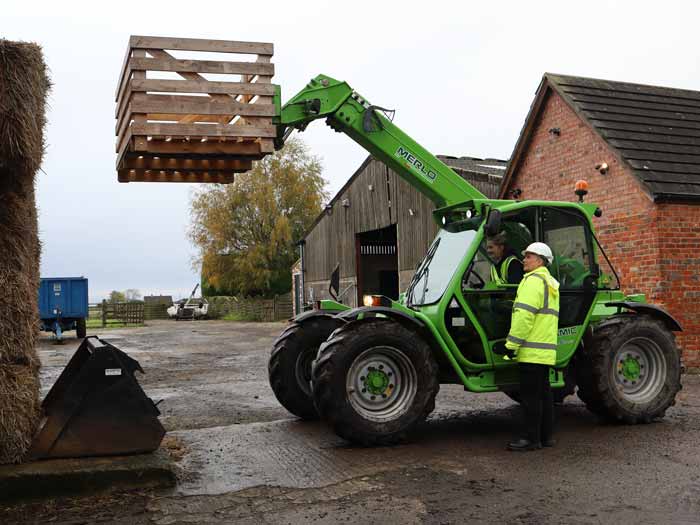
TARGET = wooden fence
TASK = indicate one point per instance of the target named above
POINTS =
(278, 308)
(111, 314)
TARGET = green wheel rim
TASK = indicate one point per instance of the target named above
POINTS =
(381, 383)
(639, 370)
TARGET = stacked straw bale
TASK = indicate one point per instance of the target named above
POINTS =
(24, 85)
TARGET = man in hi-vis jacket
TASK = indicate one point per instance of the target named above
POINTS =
(533, 341)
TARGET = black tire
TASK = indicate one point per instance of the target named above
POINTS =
(81, 329)
(352, 412)
(289, 368)
(630, 369)
(559, 394)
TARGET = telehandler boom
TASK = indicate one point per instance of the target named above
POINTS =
(373, 372)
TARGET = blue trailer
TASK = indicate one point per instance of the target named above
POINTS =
(63, 305)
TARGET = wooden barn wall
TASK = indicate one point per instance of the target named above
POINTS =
(332, 240)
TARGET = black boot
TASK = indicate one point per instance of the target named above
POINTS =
(523, 445)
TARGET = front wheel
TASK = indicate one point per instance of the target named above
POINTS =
(374, 381)
(630, 370)
(289, 368)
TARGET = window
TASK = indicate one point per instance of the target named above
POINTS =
(566, 233)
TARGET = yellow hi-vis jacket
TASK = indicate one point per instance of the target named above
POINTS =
(501, 277)
(535, 321)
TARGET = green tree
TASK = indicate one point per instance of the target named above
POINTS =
(245, 232)
(117, 297)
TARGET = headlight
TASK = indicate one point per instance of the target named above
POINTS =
(367, 300)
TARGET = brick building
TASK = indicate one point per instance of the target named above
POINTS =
(638, 147)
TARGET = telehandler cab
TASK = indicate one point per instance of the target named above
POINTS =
(373, 372)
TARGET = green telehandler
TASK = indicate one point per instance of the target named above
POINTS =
(373, 372)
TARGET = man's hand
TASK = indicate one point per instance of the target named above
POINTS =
(500, 349)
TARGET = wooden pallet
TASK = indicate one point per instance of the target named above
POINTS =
(192, 128)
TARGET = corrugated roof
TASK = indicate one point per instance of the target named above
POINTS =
(655, 130)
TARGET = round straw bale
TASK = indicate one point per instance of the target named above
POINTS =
(19, 410)
(24, 85)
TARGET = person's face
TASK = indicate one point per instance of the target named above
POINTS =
(532, 262)
(495, 250)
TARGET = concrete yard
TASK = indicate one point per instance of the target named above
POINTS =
(242, 458)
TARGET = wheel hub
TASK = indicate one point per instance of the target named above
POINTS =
(381, 383)
(640, 370)
(630, 368)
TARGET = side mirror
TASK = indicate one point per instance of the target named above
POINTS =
(493, 223)
(334, 286)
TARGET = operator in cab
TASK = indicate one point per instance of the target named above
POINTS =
(506, 268)
(532, 340)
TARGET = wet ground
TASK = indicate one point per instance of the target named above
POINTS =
(244, 459)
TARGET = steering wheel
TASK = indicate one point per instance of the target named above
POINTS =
(477, 285)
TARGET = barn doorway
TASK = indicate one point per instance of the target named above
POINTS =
(377, 263)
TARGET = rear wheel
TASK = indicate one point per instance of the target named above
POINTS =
(630, 370)
(289, 368)
(81, 329)
(374, 381)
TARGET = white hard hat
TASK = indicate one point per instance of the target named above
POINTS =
(541, 249)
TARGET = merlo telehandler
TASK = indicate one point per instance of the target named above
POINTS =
(373, 372)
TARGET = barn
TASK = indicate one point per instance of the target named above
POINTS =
(638, 147)
(376, 228)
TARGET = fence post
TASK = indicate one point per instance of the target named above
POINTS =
(274, 308)
(104, 313)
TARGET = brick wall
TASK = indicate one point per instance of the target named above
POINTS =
(654, 248)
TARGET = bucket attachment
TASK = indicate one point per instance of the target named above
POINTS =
(97, 408)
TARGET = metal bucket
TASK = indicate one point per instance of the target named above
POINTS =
(97, 408)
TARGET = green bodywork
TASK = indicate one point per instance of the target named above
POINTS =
(456, 200)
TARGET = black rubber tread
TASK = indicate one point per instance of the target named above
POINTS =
(281, 368)
(594, 364)
(81, 328)
(335, 357)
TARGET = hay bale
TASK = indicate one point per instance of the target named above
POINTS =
(24, 86)
(19, 410)
(23, 90)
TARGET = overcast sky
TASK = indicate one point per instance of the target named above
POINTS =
(461, 76)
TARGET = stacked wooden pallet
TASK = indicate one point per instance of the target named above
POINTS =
(181, 119)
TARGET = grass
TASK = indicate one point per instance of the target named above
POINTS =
(237, 316)
(97, 323)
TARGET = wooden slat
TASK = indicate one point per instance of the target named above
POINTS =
(185, 164)
(203, 86)
(201, 44)
(249, 150)
(127, 175)
(201, 66)
(177, 118)
(187, 105)
(203, 130)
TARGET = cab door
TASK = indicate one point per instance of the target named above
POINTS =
(566, 231)
(490, 302)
